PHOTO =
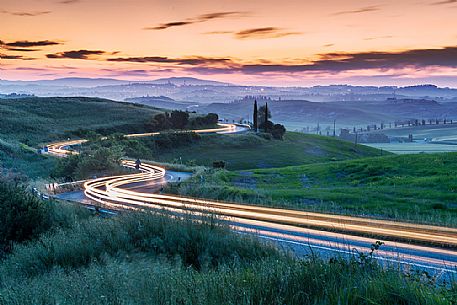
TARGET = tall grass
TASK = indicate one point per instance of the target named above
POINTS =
(147, 258)
(199, 246)
(418, 188)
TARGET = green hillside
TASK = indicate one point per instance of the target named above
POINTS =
(248, 151)
(29, 122)
(415, 187)
(39, 120)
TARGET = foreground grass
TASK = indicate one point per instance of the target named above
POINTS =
(414, 187)
(140, 258)
(248, 151)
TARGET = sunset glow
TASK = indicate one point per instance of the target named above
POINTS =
(246, 42)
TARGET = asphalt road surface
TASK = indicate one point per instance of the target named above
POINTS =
(406, 245)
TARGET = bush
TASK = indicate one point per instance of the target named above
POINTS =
(174, 140)
(179, 119)
(219, 164)
(99, 159)
(278, 131)
(22, 215)
(210, 120)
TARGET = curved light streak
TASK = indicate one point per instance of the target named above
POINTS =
(111, 191)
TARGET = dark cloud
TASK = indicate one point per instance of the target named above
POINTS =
(26, 46)
(26, 14)
(444, 2)
(21, 49)
(198, 19)
(4, 56)
(69, 1)
(136, 72)
(30, 69)
(218, 32)
(80, 54)
(366, 9)
(198, 60)
(338, 62)
(164, 26)
(265, 32)
(217, 15)
(30, 44)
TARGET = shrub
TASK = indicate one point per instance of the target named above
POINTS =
(99, 159)
(219, 164)
(22, 215)
(278, 131)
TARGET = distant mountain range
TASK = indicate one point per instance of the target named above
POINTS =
(81, 82)
(306, 113)
(188, 81)
(295, 106)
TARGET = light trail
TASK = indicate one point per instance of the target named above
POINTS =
(272, 223)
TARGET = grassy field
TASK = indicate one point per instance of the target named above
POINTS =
(415, 187)
(248, 151)
(422, 131)
(36, 121)
(21, 159)
(143, 258)
(414, 147)
(29, 122)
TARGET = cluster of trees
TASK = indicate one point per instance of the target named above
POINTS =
(407, 123)
(261, 121)
(181, 120)
(210, 120)
(104, 156)
(94, 161)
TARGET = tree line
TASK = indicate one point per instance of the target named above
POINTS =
(181, 120)
(261, 122)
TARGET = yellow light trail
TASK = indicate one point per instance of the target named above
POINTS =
(109, 191)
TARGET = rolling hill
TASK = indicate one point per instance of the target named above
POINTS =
(247, 151)
(36, 120)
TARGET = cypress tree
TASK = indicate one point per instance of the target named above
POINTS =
(255, 117)
(266, 115)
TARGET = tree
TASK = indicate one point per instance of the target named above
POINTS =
(255, 116)
(278, 131)
(219, 164)
(212, 118)
(266, 127)
(263, 115)
(267, 114)
(161, 122)
(179, 119)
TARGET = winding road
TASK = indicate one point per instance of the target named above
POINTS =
(430, 248)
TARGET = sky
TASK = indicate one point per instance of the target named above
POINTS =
(258, 42)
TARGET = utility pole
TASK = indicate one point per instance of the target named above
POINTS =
(255, 116)
(334, 128)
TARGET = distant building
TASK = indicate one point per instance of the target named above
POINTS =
(364, 137)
